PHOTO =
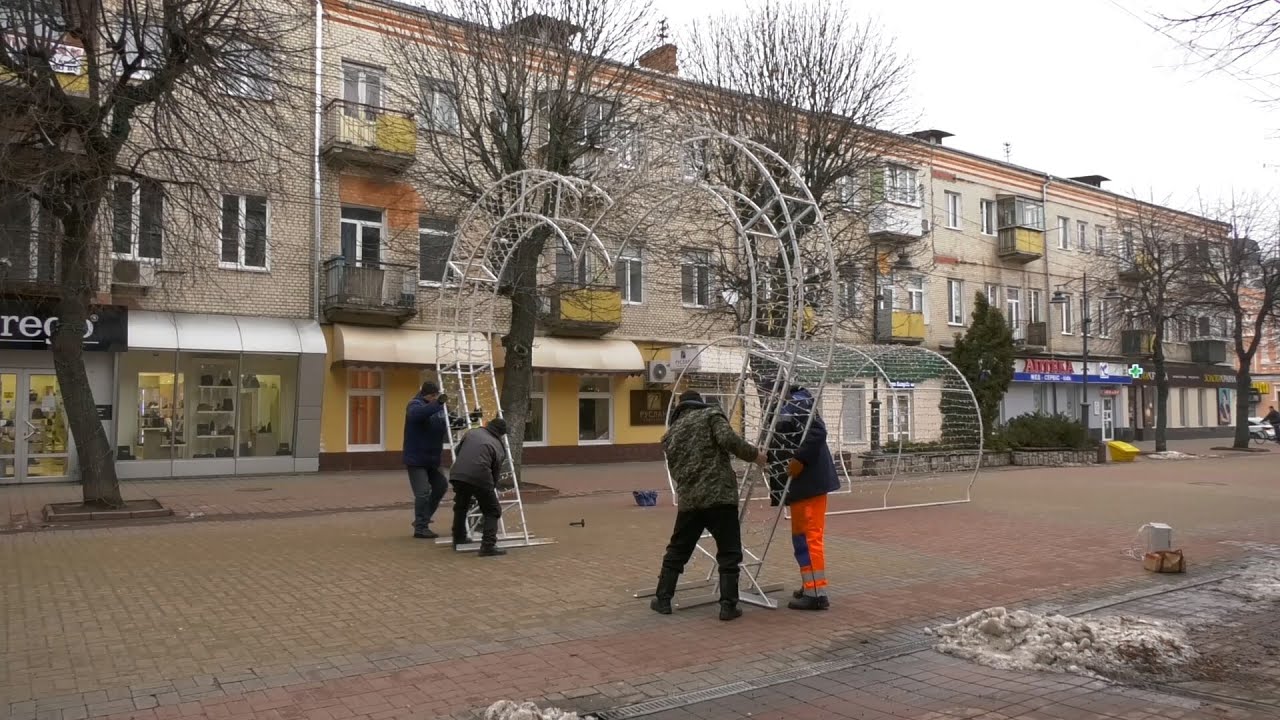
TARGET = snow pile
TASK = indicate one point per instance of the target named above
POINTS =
(1171, 455)
(1260, 582)
(508, 710)
(1107, 646)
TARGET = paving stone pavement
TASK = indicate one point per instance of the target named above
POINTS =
(344, 616)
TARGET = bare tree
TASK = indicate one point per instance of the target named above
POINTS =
(1238, 277)
(1150, 258)
(1230, 33)
(173, 97)
(511, 85)
(829, 96)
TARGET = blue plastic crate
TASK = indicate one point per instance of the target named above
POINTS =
(645, 498)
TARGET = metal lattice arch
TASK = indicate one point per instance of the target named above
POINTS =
(929, 448)
(473, 313)
(781, 223)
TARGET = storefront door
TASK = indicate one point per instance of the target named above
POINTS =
(34, 438)
(1108, 419)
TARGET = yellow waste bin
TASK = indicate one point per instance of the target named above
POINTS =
(1122, 451)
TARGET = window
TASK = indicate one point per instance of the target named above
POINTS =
(597, 118)
(244, 232)
(915, 294)
(992, 291)
(1033, 307)
(693, 160)
(987, 209)
(1082, 235)
(246, 71)
(364, 410)
(900, 184)
(955, 302)
(846, 193)
(28, 238)
(595, 410)
(1183, 403)
(1064, 233)
(362, 235)
(1101, 233)
(1102, 322)
(630, 272)
(439, 106)
(435, 242)
(853, 407)
(361, 91)
(1067, 316)
(899, 417)
(535, 424)
(581, 273)
(953, 210)
(848, 287)
(1013, 306)
(695, 279)
(137, 213)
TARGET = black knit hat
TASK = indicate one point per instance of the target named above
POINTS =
(429, 388)
(690, 396)
(498, 426)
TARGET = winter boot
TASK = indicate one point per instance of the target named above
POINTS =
(729, 609)
(489, 539)
(810, 602)
(666, 590)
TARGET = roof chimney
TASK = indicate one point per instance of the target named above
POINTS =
(933, 137)
(662, 59)
(1094, 180)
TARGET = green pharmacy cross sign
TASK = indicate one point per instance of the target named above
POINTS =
(1135, 371)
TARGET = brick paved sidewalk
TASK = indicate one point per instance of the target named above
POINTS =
(344, 616)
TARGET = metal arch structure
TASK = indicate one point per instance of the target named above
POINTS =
(931, 436)
(777, 218)
(470, 313)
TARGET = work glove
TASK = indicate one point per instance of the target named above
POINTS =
(442, 399)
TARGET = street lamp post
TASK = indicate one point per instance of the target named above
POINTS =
(1086, 320)
(902, 264)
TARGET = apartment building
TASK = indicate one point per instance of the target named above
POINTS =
(1265, 370)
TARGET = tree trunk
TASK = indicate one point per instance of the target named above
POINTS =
(101, 486)
(1162, 391)
(1244, 381)
(518, 343)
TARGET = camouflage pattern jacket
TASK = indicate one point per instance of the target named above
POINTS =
(700, 445)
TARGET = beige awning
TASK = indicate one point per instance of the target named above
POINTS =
(356, 344)
(588, 356)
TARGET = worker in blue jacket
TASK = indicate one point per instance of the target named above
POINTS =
(801, 456)
(425, 433)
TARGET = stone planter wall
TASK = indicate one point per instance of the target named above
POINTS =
(912, 463)
(996, 459)
(1054, 458)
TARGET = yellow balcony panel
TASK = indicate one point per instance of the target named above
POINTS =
(582, 311)
(368, 136)
(1021, 244)
(907, 326)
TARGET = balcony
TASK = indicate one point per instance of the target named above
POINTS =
(1036, 334)
(369, 137)
(1133, 270)
(1137, 343)
(902, 327)
(67, 62)
(370, 293)
(1020, 244)
(773, 320)
(895, 224)
(1209, 351)
(585, 311)
(1020, 227)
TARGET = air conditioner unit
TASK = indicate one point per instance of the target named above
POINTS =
(132, 273)
(924, 225)
(661, 373)
(686, 358)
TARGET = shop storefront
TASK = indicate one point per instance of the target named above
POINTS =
(35, 439)
(1201, 404)
(580, 405)
(1055, 386)
(203, 395)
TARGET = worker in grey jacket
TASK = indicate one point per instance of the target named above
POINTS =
(477, 467)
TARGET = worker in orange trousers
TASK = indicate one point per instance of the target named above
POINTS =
(801, 443)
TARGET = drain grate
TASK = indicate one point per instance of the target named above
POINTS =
(254, 489)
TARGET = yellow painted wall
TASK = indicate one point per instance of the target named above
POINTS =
(562, 409)
(333, 413)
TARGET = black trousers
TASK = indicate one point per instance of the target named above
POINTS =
(487, 498)
(722, 522)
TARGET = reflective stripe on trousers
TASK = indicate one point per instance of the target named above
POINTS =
(808, 521)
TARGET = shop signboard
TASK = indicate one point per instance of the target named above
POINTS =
(1052, 370)
(28, 324)
(649, 407)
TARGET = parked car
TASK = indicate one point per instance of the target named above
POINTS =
(1260, 430)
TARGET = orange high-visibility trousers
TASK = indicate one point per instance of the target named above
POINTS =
(808, 522)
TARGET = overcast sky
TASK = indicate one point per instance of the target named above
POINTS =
(1077, 87)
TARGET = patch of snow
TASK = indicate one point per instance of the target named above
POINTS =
(1171, 455)
(1259, 582)
(1105, 646)
(508, 710)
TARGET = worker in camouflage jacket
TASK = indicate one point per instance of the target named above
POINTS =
(699, 445)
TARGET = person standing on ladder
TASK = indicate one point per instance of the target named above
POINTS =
(812, 475)
(424, 438)
(699, 445)
(476, 473)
